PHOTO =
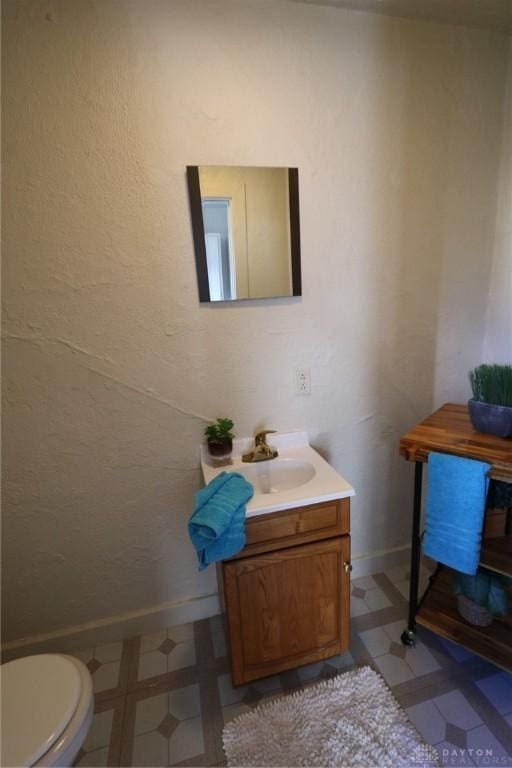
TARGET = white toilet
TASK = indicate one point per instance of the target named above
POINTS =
(47, 706)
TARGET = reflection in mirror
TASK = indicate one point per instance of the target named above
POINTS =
(246, 231)
(220, 255)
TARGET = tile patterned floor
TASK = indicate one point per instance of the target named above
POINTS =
(162, 699)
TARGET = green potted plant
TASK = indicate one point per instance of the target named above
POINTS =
(481, 597)
(220, 438)
(490, 409)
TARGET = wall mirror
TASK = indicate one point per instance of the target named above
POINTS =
(245, 223)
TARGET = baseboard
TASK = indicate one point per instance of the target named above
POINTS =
(114, 628)
(164, 615)
(382, 560)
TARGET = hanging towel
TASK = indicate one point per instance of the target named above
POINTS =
(456, 493)
(217, 525)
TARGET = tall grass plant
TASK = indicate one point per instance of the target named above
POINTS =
(492, 384)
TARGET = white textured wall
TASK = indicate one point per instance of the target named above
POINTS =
(498, 337)
(110, 362)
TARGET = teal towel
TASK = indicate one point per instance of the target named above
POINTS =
(456, 493)
(217, 525)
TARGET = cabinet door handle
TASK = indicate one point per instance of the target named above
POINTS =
(347, 567)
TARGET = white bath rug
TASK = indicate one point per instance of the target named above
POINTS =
(350, 720)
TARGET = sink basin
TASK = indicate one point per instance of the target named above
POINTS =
(298, 477)
(277, 474)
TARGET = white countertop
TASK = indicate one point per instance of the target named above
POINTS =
(325, 485)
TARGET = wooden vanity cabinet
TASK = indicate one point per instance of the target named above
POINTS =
(287, 593)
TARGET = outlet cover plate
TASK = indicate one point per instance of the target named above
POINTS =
(302, 381)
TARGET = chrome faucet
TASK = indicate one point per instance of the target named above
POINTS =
(262, 451)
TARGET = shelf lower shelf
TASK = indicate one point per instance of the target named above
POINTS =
(438, 612)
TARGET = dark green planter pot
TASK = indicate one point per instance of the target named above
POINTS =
(491, 419)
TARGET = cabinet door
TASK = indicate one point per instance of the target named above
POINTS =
(287, 608)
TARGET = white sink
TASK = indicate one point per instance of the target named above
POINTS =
(297, 477)
(277, 474)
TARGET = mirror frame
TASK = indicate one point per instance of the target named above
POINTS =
(196, 212)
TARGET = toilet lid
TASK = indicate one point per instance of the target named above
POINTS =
(40, 695)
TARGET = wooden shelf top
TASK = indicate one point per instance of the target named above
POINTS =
(449, 430)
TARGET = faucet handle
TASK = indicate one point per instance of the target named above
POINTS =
(260, 438)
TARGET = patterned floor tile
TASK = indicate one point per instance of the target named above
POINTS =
(400, 578)
(398, 649)
(323, 670)
(457, 652)
(248, 694)
(218, 633)
(268, 684)
(428, 721)
(183, 655)
(219, 645)
(181, 632)
(168, 706)
(109, 652)
(152, 641)
(228, 694)
(253, 697)
(394, 630)
(186, 741)
(217, 623)
(185, 703)
(376, 599)
(403, 588)
(393, 669)
(420, 660)
(106, 677)
(96, 759)
(398, 573)
(456, 710)
(150, 749)
(456, 736)
(152, 664)
(167, 646)
(233, 710)
(99, 732)
(310, 671)
(150, 712)
(358, 607)
(84, 655)
(498, 689)
(103, 664)
(366, 591)
(481, 740)
(376, 640)
(364, 583)
(343, 661)
(168, 725)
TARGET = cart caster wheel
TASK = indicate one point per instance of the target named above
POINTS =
(408, 638)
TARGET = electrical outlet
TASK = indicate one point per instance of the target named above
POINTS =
(302, 381)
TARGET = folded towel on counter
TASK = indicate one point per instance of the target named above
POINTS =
(217, 525)
(456, 493)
